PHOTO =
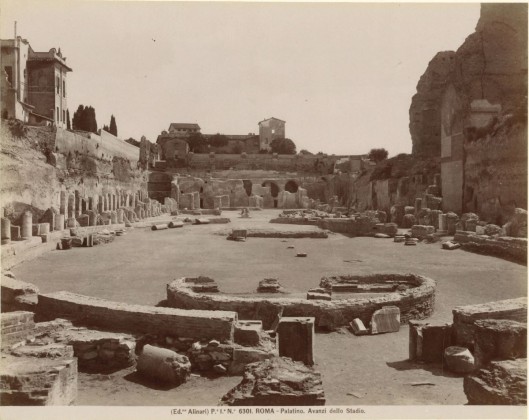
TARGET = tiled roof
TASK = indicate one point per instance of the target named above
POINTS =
(272, 118)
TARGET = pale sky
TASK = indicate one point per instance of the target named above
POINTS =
(341, 75)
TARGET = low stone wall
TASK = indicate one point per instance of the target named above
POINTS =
(512, 249)
(414, 303)
(122, 317)
(465, 317)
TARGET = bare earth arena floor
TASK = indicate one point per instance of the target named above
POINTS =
(135, 268)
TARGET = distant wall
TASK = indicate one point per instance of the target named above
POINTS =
(104, 146)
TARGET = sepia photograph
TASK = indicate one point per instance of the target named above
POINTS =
(296, 210)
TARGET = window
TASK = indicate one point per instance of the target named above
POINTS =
(64, 88)
(273, 131)
(58, 86)
(58, 115)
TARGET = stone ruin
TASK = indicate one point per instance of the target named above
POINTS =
(487, 343)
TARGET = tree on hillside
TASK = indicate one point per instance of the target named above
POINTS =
(283, 147)
(197, 143)
(105, 127)
(113, 127)
(218, 140)
(85, 119)
(377, 155)
(68, 126)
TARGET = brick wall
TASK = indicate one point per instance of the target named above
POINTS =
(17, 327)
(117, 316)
(414, 303)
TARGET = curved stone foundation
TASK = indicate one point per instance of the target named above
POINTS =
(416, 302)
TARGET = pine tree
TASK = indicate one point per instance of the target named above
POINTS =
(113, 127)
(68, 126)
(77, 118)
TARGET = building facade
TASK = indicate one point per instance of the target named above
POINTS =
(269, 130)
(33, 84)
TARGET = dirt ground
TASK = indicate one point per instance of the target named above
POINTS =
(136, 267)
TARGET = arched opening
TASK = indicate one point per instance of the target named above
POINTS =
(291, 186)
(247, 184)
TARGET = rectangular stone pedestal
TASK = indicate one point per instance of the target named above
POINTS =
(296, 338)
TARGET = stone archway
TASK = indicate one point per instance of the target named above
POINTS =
(247, 185)
(291, 186)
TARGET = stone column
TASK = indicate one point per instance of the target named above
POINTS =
(44, 228)
(63, 209)
(451, 221)
(296, 338)
(59, 222)
(27, 225)
(418, 205)
(6, 230)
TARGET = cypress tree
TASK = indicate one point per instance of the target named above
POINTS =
(113, 129)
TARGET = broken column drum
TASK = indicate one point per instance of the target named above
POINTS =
(59, 222)
(27, 225)
(296, 338)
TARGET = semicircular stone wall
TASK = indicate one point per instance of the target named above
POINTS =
(416, 302)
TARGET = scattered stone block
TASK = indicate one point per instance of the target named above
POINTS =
(385, 320)
(269, 286)
(160, 226)
(499, 339)
(466, 316)
(399, 238)
(499, 383)
(296, 338)
(449, 245)
(277, 382)
(163, 365)
(459, 359)
(248, 333)
(318, 296)
(427, 342)
(411, 241)
(422, 231)
(201, 221)
(245, 355)
(174, 224)
(358, 327)
(381, 235)
(301, 254)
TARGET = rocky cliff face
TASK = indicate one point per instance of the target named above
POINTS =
(425, 109)
(491, 64)
(34, 175)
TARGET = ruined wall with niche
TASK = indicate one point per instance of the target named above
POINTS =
(398, 180)
(484, 118)
(42, 167)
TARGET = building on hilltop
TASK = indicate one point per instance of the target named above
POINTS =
(33, 84)
(269, 130)
(183, 129)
